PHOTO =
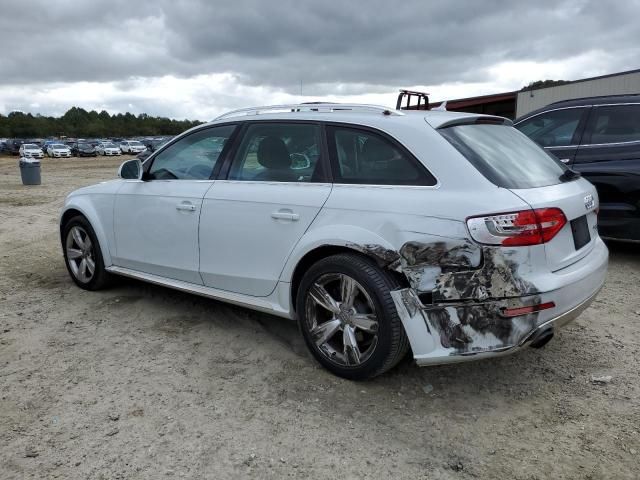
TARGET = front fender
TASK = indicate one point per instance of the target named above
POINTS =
(100, 215)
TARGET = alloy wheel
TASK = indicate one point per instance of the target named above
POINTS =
(341, 318)
(80, 254)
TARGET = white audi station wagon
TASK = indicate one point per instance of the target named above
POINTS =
(379, 231)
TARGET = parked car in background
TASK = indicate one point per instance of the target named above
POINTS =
(153, 144)
(12, 147)
(46, 143)
(31, 150)
(57, 150)
(132, 146)
(156, 146)
(598, 137)
(375, 229)
(82, 149)
(108, 148)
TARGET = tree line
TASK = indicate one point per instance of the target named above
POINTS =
(543, 84)
(77, 122)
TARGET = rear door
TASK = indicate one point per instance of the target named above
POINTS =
(557, 131)
(251, 220)
(609, 157)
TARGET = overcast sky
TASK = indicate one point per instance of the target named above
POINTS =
(197, 58)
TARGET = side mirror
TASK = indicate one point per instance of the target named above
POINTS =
(131, 170)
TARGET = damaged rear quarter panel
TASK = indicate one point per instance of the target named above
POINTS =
(469, 285)
(405, 229)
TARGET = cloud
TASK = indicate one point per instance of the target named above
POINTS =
(192, 58)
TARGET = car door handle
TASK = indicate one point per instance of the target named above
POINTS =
(285, 215)
(565, 160)
(186, 206)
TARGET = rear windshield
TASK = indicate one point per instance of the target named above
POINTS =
(505, 156)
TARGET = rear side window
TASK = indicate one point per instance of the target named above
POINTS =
(553, 129)
(505, 156)
(365, 157)
(278, 152)
(615, 124)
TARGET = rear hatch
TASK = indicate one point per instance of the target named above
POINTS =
(561, 201)
(577, 199)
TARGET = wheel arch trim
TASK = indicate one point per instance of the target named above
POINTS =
(88, 211)
(326, 241)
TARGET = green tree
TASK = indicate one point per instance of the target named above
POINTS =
(543, 84)
(77, 122)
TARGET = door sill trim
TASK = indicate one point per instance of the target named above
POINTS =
(239, 299)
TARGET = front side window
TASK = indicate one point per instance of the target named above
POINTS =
(365, 157)
(553, 129)
(192, 157)
(615, 124)
(278, 152)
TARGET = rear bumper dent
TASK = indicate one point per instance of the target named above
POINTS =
(464, 331)
(554, 323)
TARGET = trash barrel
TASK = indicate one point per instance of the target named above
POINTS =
(30, 171)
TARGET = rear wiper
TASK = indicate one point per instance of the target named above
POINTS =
(569, 175)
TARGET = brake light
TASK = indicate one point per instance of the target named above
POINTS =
(517, 229)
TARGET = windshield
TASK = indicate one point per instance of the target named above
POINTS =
(135, 144)
(505, 156)
(57, 145)
(108, 145)
(30, 146)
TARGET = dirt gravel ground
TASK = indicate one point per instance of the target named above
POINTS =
(140, 381)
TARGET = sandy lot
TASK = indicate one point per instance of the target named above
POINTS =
(143, 382)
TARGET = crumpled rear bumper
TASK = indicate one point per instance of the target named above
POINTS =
(462, 331)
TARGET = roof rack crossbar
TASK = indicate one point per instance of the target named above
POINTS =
(311, 107)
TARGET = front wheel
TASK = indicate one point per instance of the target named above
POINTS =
(83, 256)
(348, 319)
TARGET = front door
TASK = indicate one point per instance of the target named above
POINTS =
(156, 219)
(251, 221)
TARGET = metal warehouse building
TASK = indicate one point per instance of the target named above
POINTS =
(516, 104)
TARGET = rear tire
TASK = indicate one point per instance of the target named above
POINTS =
(347, 317)
(83, 255)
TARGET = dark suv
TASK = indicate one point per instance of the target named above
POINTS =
(600, 138)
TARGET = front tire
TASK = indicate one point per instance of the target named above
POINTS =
(83, 256)
(347, 317)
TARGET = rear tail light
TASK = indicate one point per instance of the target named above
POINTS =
(517, 229)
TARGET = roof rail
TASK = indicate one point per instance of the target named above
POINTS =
(311, 107)
(596, 97)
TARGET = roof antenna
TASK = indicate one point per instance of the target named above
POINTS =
(442, 107)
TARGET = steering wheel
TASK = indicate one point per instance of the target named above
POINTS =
(164, 174)
(547, 140)
(199, 171)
